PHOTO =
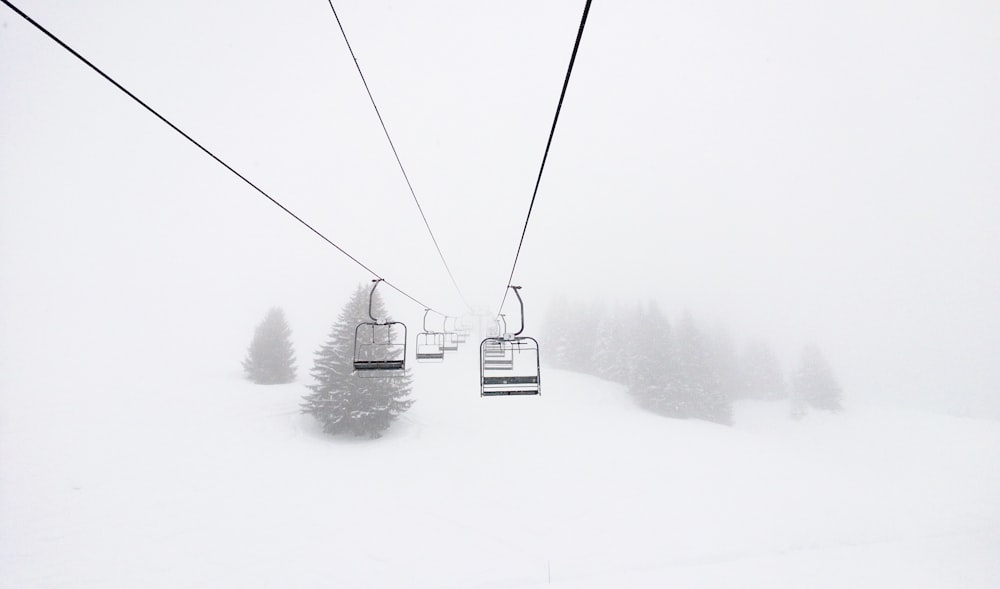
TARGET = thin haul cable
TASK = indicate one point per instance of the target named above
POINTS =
(396, 154)
(100, 72)
(545, 156)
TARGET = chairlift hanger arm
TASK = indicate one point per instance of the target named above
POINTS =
(371, 298)
(548, 145)
(517, 292)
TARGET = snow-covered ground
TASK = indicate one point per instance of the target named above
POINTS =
(205, 480)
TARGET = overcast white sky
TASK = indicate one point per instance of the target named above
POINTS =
(801, 172)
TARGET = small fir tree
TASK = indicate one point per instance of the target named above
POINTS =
(814, 384)
(342, 401)
(271, 358)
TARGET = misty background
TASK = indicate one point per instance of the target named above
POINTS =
(800, 174)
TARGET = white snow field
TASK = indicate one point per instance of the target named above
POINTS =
(206, 480)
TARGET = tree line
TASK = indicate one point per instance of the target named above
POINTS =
(680, 369)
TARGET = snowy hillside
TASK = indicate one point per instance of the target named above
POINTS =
(784, 174)
(209, 481)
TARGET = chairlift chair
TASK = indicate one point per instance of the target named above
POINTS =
(450, 343)
(429, 347)
(461, 333)
(509, 364)
(496, 354)
(430, 344)
(516, 373)
(379, 346)
(461, 330)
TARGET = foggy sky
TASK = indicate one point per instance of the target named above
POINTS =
(821, 172)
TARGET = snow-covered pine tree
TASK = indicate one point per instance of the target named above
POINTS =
(555, 332)
(342, 401)
(760, 374)
(814, 383)
(569, 335)
(611, 353)
(650, 360)
(696, 390)
(725, 362)
(271, 358)
(582, 336)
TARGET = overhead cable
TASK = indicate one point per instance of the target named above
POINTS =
(552, 132)
(203, 148)
(396, 154)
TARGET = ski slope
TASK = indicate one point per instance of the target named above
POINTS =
(202, 479)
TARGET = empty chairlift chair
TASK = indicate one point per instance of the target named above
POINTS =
(461, 331)
(379, 346)
(430, 344)
(461, 336)
(509, 364)
(450, 340)
(496, 355)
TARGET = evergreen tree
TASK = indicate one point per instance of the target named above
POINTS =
(271, 358)
(342, 401)
(554, 333)
(611, 348)
(696, 389)
(814, 384)
(760, 374)
(725, 363)
(582, 335)
(569, 335)
(650, 361)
